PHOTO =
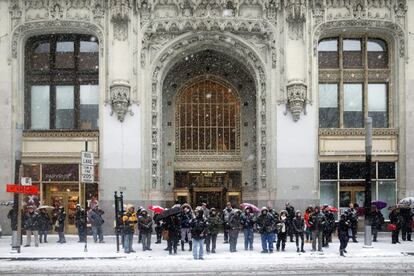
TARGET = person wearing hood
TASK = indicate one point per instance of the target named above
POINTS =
(172, 225)
(186, 217)
(248, 220)
(31, 225)
(145, 228)
(60, 218)
(234, 228)
(129, 220)
(282, 228)
(225, 218)
(377, 220)
(265, 226)
(329, 226)
(289, 222)
(45, 225)
(80, 222)
(317, 222)
(213, 226)
(198, 233)
(343, 228)
(299, 227)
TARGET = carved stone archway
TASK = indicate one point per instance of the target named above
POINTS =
(191, 43)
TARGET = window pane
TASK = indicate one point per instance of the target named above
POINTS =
(355, 170)
(40, 57)
(328, 105)
(386, 192)
(377, 104)
(88, 56)
(352, 53)
(386, 170)
(64, 54)
(40, 107)
(329, 193)
(328, 171)
(353, 115)
(328, 53)
(64, 107)
(89, 106)
(377, 53)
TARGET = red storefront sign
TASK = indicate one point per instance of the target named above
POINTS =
(11, 188)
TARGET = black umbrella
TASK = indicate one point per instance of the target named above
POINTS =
(168, 213)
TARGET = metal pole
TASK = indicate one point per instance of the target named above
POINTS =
(116, 221)
(367, 203)
(16, 233)
(121, 214)
(86, 214)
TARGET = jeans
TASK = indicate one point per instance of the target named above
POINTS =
(248, 239)
(128, 241)
(198, 245)
(43, 234)
(317, 235)
(61, 236)
(185, 232)
(233, 235)
(213, 239)
(146, 241)
(29, 237)
(97, 232)
(267, 241)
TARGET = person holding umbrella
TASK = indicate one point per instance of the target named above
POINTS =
(377, 220)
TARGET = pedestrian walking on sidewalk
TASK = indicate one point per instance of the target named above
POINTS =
(343, 228)
(299, 227)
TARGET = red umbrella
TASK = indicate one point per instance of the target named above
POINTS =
(156, 209)
(253, 207)
(331, 209)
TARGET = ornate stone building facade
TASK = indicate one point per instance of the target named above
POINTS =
(193, 100)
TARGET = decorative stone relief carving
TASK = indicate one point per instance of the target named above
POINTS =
(296, 99)
(15, 12)
(120, 99)
(295, 16)
(120, 12)
(55, 9)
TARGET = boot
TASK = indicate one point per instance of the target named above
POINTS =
(297, 249)
(303, 251)
(341, 253)
(191, 245)
(182, 245)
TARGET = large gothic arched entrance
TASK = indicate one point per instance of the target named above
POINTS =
(209, 119)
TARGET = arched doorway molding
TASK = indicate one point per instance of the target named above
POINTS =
(227, 44)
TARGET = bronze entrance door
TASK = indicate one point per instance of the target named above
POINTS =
(214, 198)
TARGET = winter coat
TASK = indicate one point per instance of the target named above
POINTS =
(226, 215)
(80, 219)
(95, 217)
(145, 224)
(298, 225)
(198, 227)
(265, 223)
(306, 217)
(31, 221)
(352, 217)
(291, 212)
(317, 221)
(377, 220)
(172, 225)
(343, 227)
(329, 226)
(186, 218)
(395, 218)
(247, 220)
(213, 224)
(234, 221)
(12, 215)
(281, 225)
(60, 221)
(407, 216)
(129, 219)
(44, 222)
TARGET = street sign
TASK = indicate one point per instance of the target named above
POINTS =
(26, 181)
(87, 168)
(11, 188)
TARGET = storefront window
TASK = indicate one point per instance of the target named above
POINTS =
(387, 193)
(329, 193)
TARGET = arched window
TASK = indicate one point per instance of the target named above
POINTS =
(61, 91)
(353, 82)
(207, 118)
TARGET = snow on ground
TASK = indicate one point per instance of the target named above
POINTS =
(103, 258)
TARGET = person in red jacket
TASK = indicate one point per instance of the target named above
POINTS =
(308, 232)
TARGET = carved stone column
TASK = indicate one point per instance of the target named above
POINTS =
(296, 99)
(120, 99)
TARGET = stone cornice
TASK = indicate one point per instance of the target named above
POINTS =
(357, 132)
(61, 133)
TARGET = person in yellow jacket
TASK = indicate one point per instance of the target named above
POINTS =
(129, 220)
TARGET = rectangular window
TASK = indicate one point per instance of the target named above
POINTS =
(89, 106)
(64, 54)
(328, 53)
(88, 55)
(40, 107)
(353, 113)
(386, 170)
(328, 171)
(329, 193)
(377, 53)
(40, 56)
(65, 103)
(386, 193)
(352, 53)
(377, 104)
(328, 105)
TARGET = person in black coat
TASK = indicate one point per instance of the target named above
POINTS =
(234, 228)
(12, 216)
(396, 219)
(172, 225)
(343, 227)
(299, 228)
(198, 233)
(80, 223)
(158, 228)
(282, 230)
(31, 225)
(60, 217)
(377, 220)
(248, 221)
(353, 218)
(328, 228)
(407, 218)
(45, 225)
(317, 222)
(290, 216)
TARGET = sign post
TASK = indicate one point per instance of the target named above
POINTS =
(87, 176)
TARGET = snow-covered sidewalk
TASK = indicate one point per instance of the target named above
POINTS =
(71, 258)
